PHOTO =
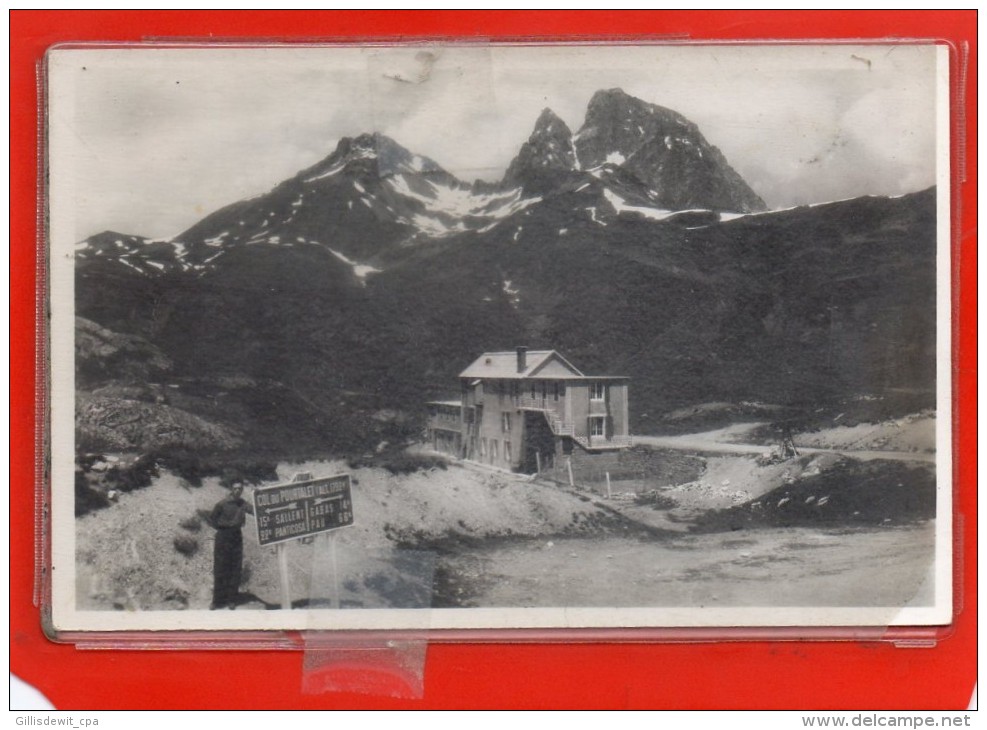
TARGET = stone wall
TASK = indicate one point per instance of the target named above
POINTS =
(637, 468)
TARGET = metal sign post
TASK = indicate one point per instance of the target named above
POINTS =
(282, 549)
(335, 570)
(300, 509)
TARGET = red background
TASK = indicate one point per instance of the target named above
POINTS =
(724, 674)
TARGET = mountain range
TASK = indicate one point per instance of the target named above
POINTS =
(327, 310)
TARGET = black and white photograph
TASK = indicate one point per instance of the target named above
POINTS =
(587, 336)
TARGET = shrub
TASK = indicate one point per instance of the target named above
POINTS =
(87, 499)
(135, 476)
(177, 595)
(192, 524)
(401, 463)
(182, 462)
(186, 545)
(251, 471)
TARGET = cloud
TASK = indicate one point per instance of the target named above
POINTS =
(161, 138)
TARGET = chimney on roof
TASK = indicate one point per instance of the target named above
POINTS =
(522, 359)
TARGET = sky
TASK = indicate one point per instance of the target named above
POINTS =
(149, 141)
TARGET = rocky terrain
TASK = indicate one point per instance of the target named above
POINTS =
(457, 535)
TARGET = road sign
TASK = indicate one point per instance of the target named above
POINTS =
(290, 511)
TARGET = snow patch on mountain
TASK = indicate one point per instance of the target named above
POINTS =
(441, 199)
(619, 206)
(260, 236)
(461, 202)
(335, 169)
(724, 217)
(449, 209)
(361, 271)
(727, 217)
(513, 295)
(132, 266)
(575, 155)
(430, 226)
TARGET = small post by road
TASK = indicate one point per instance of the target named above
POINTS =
(282, 549)
(335, 570)
(609, 495)
(538, 461)
(568, 465)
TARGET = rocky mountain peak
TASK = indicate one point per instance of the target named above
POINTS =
(664, 150)
(546, 158)
(550, 125)
(618, 123)
(375, 151)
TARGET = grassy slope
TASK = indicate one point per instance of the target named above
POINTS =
(806, 307)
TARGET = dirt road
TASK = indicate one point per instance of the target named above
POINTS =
(770, 567)
(710, 443)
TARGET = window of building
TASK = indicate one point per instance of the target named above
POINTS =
(507, 451)
(493, 450)
(556, 390)
(597, 427)
(597, 391)
(505, 422)
(483, 447)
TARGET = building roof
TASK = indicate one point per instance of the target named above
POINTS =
(504, 365)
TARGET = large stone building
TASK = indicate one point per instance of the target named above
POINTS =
(523, 410)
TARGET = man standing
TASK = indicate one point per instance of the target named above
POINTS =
(228, 517)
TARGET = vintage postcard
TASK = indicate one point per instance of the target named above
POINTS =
(499, 336)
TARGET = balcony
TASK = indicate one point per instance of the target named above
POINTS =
(535, 404)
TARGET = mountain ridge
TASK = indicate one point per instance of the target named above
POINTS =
(359, 287)
(396, 197)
